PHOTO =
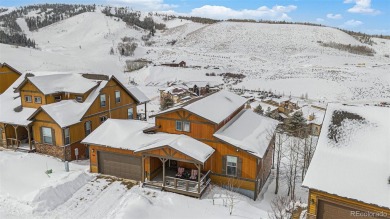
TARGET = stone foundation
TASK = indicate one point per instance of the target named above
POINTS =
(64, 153)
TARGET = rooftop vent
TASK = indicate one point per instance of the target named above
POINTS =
(18, 109)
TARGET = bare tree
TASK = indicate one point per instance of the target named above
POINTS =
(282, 208)
(232, 188)
(279, 142)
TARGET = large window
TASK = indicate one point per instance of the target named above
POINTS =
(37, 100)
(28, 99)
(88, 128)
(130, 113)
(66, 136)
(102, 100)
(183, 126)
(117, 96)
(47, 135)
(231, 166)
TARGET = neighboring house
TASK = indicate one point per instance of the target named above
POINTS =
(314, 116)
(349, 175)
(180, 64)
(213, 135)
(55, 112)
(284, 104)
(177, 93)
(201, 88)
(8, 75)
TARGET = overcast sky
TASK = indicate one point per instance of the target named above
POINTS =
(370, 16)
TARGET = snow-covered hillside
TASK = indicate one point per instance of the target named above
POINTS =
(284, 58)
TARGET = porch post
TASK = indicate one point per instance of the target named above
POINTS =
(29, 137)
(198, 165)
(146, 118)
(16, 135)
(163, 160)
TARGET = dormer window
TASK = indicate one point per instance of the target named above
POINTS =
(79, 99)
(57, 98)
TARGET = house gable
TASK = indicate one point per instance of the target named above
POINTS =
(8, 76)
(42, 119)
(29, 89)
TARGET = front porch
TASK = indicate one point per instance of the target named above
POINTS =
(177, 165)
(168, 181)
(17, 137)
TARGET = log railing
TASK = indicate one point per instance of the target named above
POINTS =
(188, 185)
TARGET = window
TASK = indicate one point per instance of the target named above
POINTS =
(183, 126)
(57, 98)
(88, 128)
(186, 126)
(103, 119)
(28, 99)
(102, 100)
(47, 135)
(231, 166)
(130, 113)
(79, 99)
(37, 100)
(66, 136)
(179, 126)
(117, 96)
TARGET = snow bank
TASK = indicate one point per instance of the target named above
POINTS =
(52, 196)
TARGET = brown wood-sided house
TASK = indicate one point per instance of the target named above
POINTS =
(213, 135)
(8, 75)
(55, 112)
(349, 175)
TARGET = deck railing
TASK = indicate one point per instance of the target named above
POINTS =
(190, 186)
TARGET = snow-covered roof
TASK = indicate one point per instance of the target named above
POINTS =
(9, 101)
(70, 83)
(129, 135)
(138, 94)
(357, 164)
(69, 112)
(249, 131)
(215, 107)
(186, 145)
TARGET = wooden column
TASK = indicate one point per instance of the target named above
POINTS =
(16, 135)
(198, 165)
(163, 160)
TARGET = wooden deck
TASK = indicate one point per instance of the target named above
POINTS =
(182, 186)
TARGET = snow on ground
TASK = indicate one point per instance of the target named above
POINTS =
(23, 181)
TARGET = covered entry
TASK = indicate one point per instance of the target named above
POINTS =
(119, 165)
(190, 156)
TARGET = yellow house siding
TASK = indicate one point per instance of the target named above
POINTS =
(7, 78)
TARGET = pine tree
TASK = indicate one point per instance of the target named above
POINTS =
(296, 122)
(166, 102)
(259, 110)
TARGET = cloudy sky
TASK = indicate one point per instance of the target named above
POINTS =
(370, 16)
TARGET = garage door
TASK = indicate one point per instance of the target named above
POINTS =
(327, 210)
(119, 165)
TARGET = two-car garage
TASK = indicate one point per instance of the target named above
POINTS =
(119, 165)
(329, 210)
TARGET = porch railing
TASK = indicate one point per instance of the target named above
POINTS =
(13, 143)
(188, 185)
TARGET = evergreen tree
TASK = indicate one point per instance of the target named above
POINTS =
(296, 123)
(166, 102)
(259, 110)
